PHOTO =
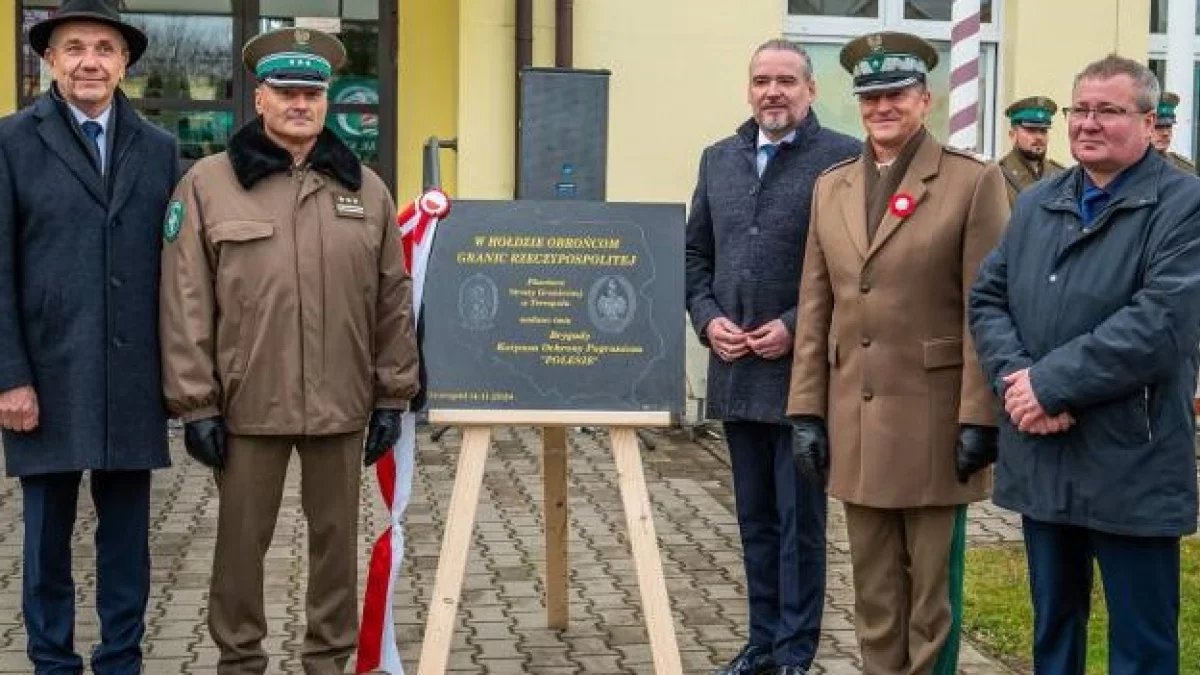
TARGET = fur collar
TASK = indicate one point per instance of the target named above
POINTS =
(255, 156)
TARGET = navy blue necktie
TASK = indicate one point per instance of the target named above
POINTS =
(93, 130)
(768, 151)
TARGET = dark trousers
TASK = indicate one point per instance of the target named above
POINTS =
(781, 517)
(122, 501)
(1141, 589)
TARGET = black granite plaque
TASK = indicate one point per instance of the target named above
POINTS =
(556, 305)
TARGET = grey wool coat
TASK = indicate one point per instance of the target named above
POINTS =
(745, 248)
(79, 272)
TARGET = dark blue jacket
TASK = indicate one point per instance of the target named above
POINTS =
(745, 248)
(79, 272)
(1108, 319)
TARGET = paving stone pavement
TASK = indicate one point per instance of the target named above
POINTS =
(501, 628)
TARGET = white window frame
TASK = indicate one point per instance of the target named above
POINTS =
(833, 29)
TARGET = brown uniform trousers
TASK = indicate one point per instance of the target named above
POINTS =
(883, 354)
(251, 489)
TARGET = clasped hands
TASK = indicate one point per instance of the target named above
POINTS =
(770, 341)
(1026, 411)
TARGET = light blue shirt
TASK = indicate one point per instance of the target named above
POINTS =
(762, 157)
(102, 119)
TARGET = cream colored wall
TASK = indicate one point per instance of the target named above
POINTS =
(1047, 42)
(678, 83)
(8, 47)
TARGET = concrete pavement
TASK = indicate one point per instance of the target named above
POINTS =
(501, 628)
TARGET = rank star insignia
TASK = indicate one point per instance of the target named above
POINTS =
(302, 36)
(875, 42)
(348, 206)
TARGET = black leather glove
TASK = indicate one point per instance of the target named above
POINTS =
(810, 447)
(976, 450)
(382, 434)
(205, 441)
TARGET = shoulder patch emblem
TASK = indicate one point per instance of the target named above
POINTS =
(173, 222)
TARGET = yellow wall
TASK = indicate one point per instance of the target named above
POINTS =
(427, 101)
(678, 84)
(1046, 43)
(8, 47)
(679, 72)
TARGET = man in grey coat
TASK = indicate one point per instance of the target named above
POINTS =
(1086, 320)
(84, 184)
(746, 232)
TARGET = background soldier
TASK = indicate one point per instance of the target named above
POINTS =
(886, 392)
(745, 240)
(1164, 131)
(285, 322)
(1027, 163)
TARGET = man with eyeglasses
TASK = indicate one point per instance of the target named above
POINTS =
(886, 395)
(1027, 163)
(1164, 131)
(84, 183)
(1086, 318)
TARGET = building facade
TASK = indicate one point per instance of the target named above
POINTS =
(447, 68)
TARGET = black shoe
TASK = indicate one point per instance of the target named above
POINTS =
(752, 660)
(790, 670)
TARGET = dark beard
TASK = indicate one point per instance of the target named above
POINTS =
(1032, 156)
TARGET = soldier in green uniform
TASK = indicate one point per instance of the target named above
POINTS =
(1027, 162)
(1164, 130)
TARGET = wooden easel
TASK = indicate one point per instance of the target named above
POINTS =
(460, 521)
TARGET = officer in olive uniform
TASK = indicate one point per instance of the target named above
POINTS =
(886, 393)
(1029, 132)
(285, 325)
(1164, 131)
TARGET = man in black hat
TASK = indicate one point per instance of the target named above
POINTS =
(84, 183)
(1030, 119)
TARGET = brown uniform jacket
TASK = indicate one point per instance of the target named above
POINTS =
(1018, 174)
(285, 306)
(882, 348)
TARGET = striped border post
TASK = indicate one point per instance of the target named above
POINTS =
(964, 75)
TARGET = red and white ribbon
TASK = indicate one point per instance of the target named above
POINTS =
(377, 650)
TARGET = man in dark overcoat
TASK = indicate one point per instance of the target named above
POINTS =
(84, 184)
(745, 240)
(1086, 319)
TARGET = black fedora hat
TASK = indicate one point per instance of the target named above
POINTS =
(87, 10)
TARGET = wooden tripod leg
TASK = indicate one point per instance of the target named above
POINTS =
(554, 482)
(640, 521)
(456, 546)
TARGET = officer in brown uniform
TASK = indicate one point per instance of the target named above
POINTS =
(1164, 131)
(886, 392)
(286, 324)
(1029, 130)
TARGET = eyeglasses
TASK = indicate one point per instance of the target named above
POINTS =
(1105, 114)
